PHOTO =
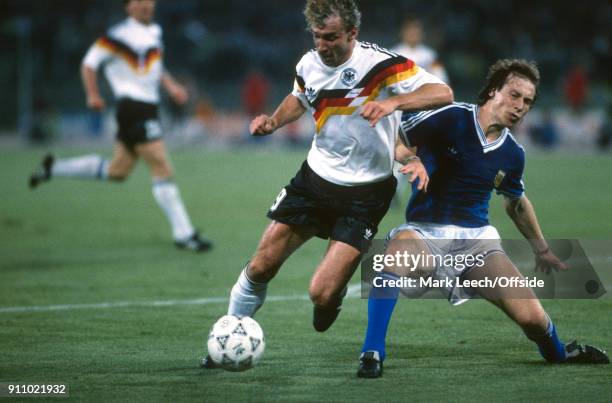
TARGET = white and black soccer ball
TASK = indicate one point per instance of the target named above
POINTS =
(236, 343)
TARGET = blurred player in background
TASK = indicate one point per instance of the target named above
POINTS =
(411, 46)
(344, 188)
(469, 151)
(131, 53)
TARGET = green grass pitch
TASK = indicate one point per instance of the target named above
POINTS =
(70, 244)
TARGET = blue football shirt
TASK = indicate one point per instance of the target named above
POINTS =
(463, 167)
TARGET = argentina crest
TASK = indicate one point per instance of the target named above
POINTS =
(499, 178)
(348, 76)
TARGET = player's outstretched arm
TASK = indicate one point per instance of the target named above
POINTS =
(428, 96)
(289, 110)
(89, 77)
(523, 214)
(177, 92)
(411, 165)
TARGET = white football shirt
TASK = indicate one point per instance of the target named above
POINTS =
(346, 150)
(132, 56)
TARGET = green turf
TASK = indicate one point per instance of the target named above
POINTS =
(88, 243)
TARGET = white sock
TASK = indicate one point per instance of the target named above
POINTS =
(168, 197)
(246, 296)
(85, 167)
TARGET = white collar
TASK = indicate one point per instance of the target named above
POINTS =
(486, 146)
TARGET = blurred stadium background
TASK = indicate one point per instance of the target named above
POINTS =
(238, 58)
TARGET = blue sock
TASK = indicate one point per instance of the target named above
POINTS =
(551, 348)
(381, 303)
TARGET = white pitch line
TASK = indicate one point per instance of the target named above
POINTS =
(353, 292)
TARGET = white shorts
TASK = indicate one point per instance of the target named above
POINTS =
(452, 240)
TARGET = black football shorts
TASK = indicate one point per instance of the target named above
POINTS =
(349, 214)
(138, 122)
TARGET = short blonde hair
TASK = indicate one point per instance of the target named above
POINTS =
(317, 11)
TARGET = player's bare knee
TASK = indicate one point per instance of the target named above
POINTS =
(407, 234)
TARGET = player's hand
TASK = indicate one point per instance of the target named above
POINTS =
(373, 111)
(415, 169)
(548, 260)
(179, 94)
(262, 125)
(96, 103)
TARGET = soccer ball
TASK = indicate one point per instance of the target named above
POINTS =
(236, 343)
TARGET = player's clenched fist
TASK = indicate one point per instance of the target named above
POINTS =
(375, 110)
(95, 102)
(262, 125)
